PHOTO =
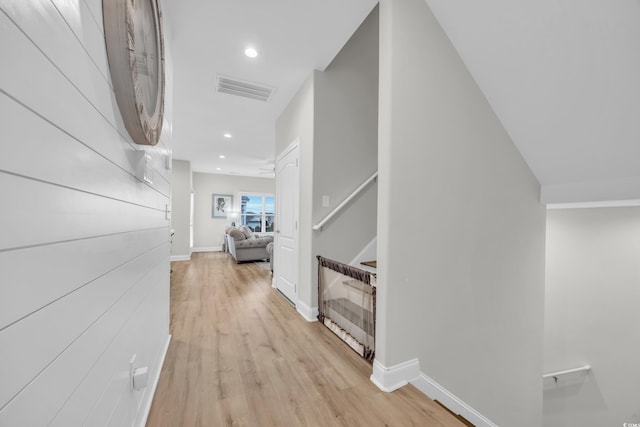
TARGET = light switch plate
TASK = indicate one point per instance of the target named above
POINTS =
(144, 171)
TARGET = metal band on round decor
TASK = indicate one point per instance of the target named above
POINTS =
(143, 126)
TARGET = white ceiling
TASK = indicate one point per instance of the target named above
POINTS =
(563, 76)
(209, 37)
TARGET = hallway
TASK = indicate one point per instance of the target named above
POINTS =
(241, 355)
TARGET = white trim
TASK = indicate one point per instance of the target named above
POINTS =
(603, 204)
(436, 392)
(180, 258)
(621, 189)
(394, 377)
(152, 390)
(310, 314)
(208, 249)
(290, 147)
(264, 196)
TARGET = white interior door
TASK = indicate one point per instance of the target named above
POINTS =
(286, 235)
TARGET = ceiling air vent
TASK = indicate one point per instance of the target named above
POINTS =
(245, 89)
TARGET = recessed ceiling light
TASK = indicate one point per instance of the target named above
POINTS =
(221, 156)
(218, 169)
(251, 52)
(227, 135)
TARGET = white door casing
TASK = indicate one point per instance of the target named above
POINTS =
(286, 235)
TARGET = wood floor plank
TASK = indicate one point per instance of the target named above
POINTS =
(242, 356)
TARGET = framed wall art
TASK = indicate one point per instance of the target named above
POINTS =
(221, 205)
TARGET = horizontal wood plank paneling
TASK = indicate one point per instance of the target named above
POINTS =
(44, 89)
(84, 253)
(43, 25)
(60, 323)
(80, 20)
(83, 406)
(159, 154)
(55, 385)
(39, 28)
(65, 161)
(95, 8)
(35, 277)
(43, 213)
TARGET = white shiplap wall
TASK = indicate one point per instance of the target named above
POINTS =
(84, 244)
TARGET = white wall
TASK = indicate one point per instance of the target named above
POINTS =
(460, 229)
(181, 189)
(208, 231)
(296, 123)
(84, 252)
(346, 146)
(591, 316)
(334, 118)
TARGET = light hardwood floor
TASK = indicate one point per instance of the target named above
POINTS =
(242, 356)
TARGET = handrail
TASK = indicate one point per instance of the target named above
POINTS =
(555, 375)
(338, 208)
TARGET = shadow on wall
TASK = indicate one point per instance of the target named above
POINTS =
(574, 394)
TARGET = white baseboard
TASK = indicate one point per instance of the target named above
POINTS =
(394, 377)
(310, 314)
(208, 249)
(180, 258)
(436, 392)
(152, 391)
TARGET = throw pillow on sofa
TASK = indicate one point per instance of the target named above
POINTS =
(237, 234)
(248, 233)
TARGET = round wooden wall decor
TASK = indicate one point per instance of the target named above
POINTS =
(135, 50)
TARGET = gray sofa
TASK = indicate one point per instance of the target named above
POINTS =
(244, 245)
